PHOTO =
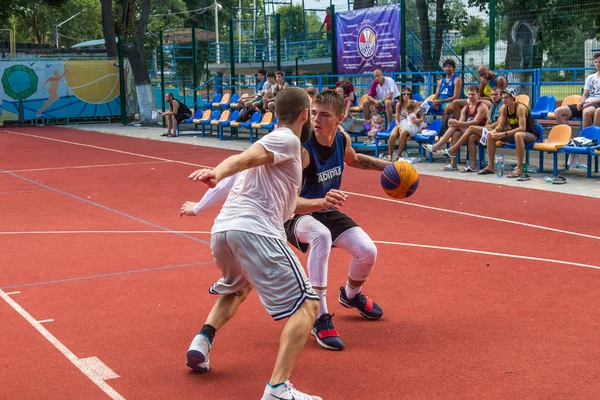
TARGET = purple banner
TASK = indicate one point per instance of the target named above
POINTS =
(368, 39)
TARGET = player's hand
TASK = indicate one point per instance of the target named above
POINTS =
(206, 176)
(334, 199)
(452, 122)
(484, 81)
(580, 106)
(187, 209)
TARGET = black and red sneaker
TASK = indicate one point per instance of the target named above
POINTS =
(326, 335)
(365, 306)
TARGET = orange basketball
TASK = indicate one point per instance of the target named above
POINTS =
(399, 180)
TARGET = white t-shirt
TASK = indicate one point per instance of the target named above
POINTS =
(263, 198)
(389, 86)
(592, 83)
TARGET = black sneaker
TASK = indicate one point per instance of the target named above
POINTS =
(365, 306)
(326, 335)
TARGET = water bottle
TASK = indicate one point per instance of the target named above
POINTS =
(500, 166)
(548, 179)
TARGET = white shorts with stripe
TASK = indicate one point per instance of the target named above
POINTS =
(266, 263)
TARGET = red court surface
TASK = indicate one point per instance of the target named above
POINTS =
(489, 291)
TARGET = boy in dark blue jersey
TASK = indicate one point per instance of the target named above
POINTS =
(319, 224)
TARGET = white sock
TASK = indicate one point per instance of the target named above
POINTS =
(322, 293)
(352, 291)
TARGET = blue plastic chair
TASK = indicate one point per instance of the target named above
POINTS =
(227, 123)
(197, 115)
(215, 99)
(592, 133)
(418, 97)
(383, 135)
(544, 105)
(528, 148)
(234, 99)
(215, 116)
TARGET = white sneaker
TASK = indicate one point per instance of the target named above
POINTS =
(286, 392)
(198, 354)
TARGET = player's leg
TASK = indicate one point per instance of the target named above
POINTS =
(392, 141)
(276, 274)
(232, 289)
(404, 135)
(312, 232)
(364, 253)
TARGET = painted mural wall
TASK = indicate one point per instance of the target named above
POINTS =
(63, 89)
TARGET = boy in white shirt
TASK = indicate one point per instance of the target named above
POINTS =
(249, 243)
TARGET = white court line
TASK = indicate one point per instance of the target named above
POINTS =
(87, 166)
(76, 232)
(81, 364)
(489, 253)
(11, 293)
(508, 221)
(43, 321)
(354, 193)
(108, 149)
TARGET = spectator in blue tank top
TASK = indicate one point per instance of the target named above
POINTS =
(448, 88)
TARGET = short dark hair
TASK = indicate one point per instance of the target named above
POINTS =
(331, 97)
(262, 72)
(312, 91)
(289, 104)
(473, 88)
(279, 73)
(497, 89)
(596, 55)
(271, 75)
(450, 62)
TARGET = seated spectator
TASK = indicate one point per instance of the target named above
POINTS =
(280, 85)
(488, 80)
(348, 89)
(588, 108)
(261, 82)
(261, 101)
(515, 125)
(474, 114)
(402, 113)
(473, 134)
(178, 111)
(375, 126)
(382, 94)
(448, 89)
(348, 122)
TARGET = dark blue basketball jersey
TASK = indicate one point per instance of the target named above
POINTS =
(323, 175)
(447, 88)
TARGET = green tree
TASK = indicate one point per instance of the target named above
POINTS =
(474, 36)
(297, 20)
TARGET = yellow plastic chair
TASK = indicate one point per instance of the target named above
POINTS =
(224, 100)
(558, 138)
(569, 100)
(523, 98)
(266, 119)
(224, 117)
(235, 105)
(205, 117)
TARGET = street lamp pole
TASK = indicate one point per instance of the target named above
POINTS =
(58, 25)
(217, 9)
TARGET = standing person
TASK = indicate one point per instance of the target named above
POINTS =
(319, 224)
(327, 23)
(178, 111)
(382, 94)
(53, 82)
(515, 125)
(248, 243)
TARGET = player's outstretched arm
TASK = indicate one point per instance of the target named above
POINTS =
(213, 196)
(252, 157)
(362, 161)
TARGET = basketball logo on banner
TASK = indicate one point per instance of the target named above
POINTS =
(367, 42)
